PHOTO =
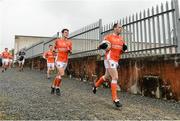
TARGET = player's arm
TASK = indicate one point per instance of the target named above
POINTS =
(54, 53)
(45, 55)
(9, 54)
(104, 44)
(2, 55)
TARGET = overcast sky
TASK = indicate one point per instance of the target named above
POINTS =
(46, 17)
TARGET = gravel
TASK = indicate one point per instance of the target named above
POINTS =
(26, 95)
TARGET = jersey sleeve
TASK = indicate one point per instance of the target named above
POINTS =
(107, 38)
(3, 54)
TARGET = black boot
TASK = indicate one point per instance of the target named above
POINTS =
(58, 92)
(94, 89)
(52, 90)
(117, 103)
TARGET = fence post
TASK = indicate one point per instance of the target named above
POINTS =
(100, 30)
(177, 24)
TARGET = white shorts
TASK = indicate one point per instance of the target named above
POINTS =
(5, 61)
(61, 65)
(10, 60)
(50, 66)
(110, 64)
(21, 62)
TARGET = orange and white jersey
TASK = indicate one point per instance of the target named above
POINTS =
(114, 53)
(63, 47)
(5, 55)
(49, 56)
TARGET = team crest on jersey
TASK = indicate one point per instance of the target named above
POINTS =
(112, 65)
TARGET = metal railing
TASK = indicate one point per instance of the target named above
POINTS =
(86, 40)
(151, 32)
(154, 31)
(39, 48)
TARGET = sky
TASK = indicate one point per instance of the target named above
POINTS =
(46, 17)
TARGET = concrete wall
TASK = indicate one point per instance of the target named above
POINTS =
(157, 76)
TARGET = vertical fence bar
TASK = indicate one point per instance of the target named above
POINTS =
(130, 35)
(110, 28)
(86, 39)
(123, 28)
(126, 34)
(158, 29)
(168, 28)
(163, 29)
(145, 31)
(100, 30)
(137, 30)
(134, 39)
(127, 31)
(177, 24)
(149, 30)
(141, 32)
(89, 37)
(154, 31)
(173, 22)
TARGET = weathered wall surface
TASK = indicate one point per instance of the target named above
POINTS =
(157, 76)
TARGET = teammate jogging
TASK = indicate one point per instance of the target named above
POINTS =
(49, 56)
(10, 61)
(112, 57)
(63, 46)
(21, 59)
(5, 59)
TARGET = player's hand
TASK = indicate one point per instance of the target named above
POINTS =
(103, 46)
(124, 47)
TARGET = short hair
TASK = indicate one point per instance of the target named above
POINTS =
(115, 25)
(64, 30)
(6, 48)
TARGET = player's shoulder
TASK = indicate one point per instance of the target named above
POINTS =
(58, 39)
(108, 36)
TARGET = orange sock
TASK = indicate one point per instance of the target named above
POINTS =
(55, 82)
(58, 83)
(114, 90)
(99, 82)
